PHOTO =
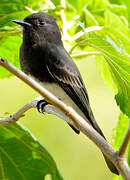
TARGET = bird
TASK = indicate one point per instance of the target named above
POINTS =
(44, 58)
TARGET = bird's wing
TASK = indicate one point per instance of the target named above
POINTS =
(65, 72)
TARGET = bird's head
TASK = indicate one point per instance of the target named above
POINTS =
(40, 27)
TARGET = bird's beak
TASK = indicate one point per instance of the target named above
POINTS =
(22, 23)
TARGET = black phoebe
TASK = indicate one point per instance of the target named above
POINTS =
(43, 56)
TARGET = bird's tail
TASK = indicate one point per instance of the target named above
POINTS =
(110, 165)
(91, 119)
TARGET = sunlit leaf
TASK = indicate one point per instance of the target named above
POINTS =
(119, 67)
(117, 30)
(56, 2)
(78, 4)
(9, 49)
(105, 72)
(123, 2)
(14, 9)
(88, 18)
(22, 157)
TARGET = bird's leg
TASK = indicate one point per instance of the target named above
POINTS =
(41, 105)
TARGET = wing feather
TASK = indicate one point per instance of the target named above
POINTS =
(65, 72)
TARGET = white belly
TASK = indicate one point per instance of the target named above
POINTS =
(56, 90)
(61, 94)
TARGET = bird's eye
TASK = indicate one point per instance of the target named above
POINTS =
(42, 22)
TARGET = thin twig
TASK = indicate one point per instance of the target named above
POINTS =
(50, 109)
(30, 10)
(81, 33)
(124, 144)
(15, 117)
(63, 19)
(77, 44)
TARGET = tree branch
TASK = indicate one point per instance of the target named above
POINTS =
(63, 19)
(124, 144)
(20, 113)
(50, 109)
(88, 29)
(77, 120)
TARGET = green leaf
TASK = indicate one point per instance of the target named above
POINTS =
(78, 5)
(119, 134)
(14, 9)
(22, 157)
(117, 30)
(56, 2)
(119, 67)
(105, 72)
(88, 18)
(126, 3)
(118, 9)
(9, 49)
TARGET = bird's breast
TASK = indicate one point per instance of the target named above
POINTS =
(33, 62)
(57, 91)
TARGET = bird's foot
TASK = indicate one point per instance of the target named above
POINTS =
(41, 105)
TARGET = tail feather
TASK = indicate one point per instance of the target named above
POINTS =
(94, 124)
(74, 129)
(110, 165)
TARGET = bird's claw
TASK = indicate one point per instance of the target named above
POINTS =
(41, 105)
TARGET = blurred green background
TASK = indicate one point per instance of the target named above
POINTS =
(76, 156)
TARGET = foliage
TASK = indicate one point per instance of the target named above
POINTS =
(23, 157)
(119, 66)
(91, 25)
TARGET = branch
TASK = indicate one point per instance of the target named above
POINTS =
(30, 10)
(50, 109)
(77, 120)
(124, 144)
(20, 113)
(81, 33)
(63, 19)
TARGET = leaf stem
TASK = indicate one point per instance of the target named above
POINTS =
(83, 54)
(125, 143)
